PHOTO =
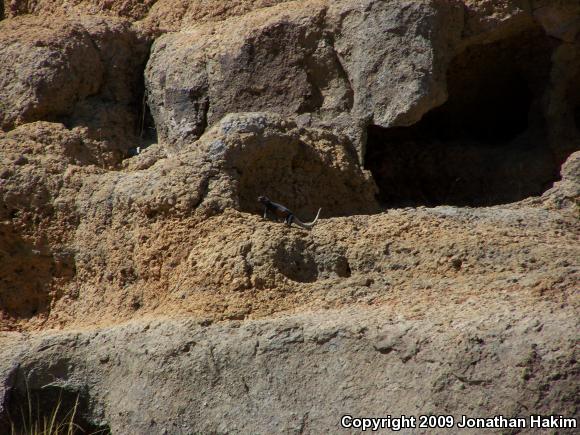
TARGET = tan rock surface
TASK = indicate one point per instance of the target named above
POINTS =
(302, 373)
(138, 275)
(83, 71)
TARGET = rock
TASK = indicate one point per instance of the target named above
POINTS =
(488, 20)
(330, 64)
(345, 63)
(157, 15)
(559, 18)
(46, 68)
(140, 281)
(238, 377)
(395, 55)
(212, 73)
(263, 154)
(566, 193)
(8, 372)
(82, 72)
(134, 9)
(243, 156)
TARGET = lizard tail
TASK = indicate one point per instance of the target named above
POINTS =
(307, 225)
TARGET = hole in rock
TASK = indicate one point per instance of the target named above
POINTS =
(30, 410)
(295, 262)
(486, 145)
(147, 131)
(145, 127)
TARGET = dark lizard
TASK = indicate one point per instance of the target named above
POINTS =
(282, 212)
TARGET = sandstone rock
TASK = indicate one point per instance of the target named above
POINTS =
(566, 193)
(327, 65)
(58, 192)
(174, 15)
(82, 72)
(490, 20)
(182, 310)
(164, 15)
(246, 71)
(395, 55)
(184, 378)
(46, 68)
(163, 227)
(134, 9)
(260, 153)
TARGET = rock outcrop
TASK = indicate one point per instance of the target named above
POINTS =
(82, 72)
(301, 373)
(326, 66)
(139, 280)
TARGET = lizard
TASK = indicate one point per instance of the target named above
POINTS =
(282, 212)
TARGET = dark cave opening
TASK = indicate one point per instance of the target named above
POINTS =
(486, 145)
(146, 130)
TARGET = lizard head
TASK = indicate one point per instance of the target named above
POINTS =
(263, 199)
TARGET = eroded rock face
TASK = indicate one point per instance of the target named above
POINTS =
(249, 70)
(262, 154)
(306, 370)
(46, 68)
(376, 60)
(83, 72)
(429, 308)
(348, 65)
(157, 15)
(133, 9)
(154, 236)
(54, 194)
(395, 55)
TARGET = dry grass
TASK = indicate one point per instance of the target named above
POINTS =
(33, 420)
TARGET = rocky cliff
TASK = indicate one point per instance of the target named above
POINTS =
(139, 280)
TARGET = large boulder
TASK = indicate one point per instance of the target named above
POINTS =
(82, 72)
(47, 67)
(377, 61)
(305, 168)
(395, 55)
(299, 373)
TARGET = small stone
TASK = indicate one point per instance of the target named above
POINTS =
(384, 345)
(21, 160)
